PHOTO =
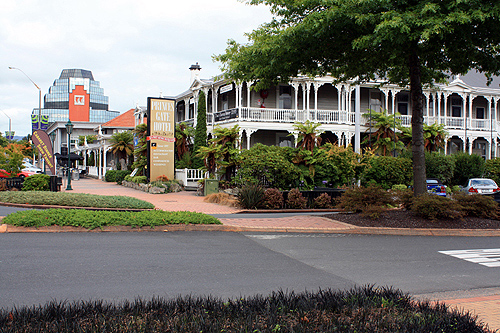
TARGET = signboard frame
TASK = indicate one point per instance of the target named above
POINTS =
(161, 138)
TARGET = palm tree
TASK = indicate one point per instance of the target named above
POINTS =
(434, 136)
(122, 144)
(183, 135)
(383, 140)
(308, 135)
(141, 151)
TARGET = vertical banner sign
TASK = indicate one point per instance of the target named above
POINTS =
(161, 125)
(44, 146)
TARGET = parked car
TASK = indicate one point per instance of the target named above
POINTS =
(22, 174)
(483, 186)
(435, 186)
(30, 167)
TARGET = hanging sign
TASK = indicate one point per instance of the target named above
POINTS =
(44, 145)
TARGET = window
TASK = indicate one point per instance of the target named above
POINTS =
(402, 103)
(456, 107)
(480, 113)
(285, 97)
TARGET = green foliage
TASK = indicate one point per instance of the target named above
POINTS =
(222, 153)
(38, 182)
(308, 135)
(322, 201)
(200, 137)
(137, 179)
(11, 158)
(89, 138)
(122, 143)
(371, 201)
(434, 207)
(403, 197)
(116, 175)
(467, 166)
(141, 150)
(492, 169)
(185, 162)
(477, 205)
(434, 137)
(183, 134)
(251, 196)
(383, 140)
(266, 163)
(73, 199)
(273, 199)
(296, 200)
(361, 309)
(387, 171)
(399, 187)
(439, 166)
(97, 219)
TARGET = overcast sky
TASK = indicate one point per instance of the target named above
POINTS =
(134, 48)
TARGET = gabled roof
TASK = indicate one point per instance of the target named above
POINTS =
(125, 120)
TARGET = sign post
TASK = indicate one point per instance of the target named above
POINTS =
(160, 137)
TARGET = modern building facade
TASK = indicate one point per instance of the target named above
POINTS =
(467, 106)
(75, 95)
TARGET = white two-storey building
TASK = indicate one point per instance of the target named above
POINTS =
(467, 106)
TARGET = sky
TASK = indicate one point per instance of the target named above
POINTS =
(135, 49)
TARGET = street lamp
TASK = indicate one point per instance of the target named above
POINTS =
(10, 124)
(69, 129)
(39, 105)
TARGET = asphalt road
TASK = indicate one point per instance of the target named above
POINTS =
(35, 268)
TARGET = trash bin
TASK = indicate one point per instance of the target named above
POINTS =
(55, 183)
(211, 186)
(75, 174)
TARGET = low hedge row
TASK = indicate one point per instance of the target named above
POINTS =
(98, 219)
(357, 310)
(73, 199)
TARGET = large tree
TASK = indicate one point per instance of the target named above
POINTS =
(407, 42)
(200, 136)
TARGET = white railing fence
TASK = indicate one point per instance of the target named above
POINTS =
(190, 177)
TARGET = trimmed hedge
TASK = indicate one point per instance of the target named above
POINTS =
(73, 199)
(97, 219)
(38, 182)
(116, 175)
(386, 171)
(361, 310)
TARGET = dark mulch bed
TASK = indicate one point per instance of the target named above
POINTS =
(408, 219)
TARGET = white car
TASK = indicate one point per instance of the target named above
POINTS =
(28, 167)
(481, 186)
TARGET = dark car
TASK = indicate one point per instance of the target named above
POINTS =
(435, 186)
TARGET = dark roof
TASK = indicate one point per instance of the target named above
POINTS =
(475, 79)
(79, 73)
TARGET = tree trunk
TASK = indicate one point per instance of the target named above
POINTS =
(417, 124)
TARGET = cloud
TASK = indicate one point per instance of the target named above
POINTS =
(134, 48)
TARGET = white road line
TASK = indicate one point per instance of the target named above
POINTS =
(485, 257)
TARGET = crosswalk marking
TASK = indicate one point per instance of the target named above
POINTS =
(485, 257)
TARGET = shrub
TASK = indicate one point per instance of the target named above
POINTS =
(439, 166)
(116, 175)
(97, 219)
(322, 201)
(403, 198)
(478, 205)
(251, 196)
(492, 169)
(435, 207)
(73, 199)
(140, 179)
(267, 166)
(365, 199)
(361, 309)
(38, 182)
(296, 200)
(399, 187)
(273, 199)
(466, 166)
(222, 199)
(386, 171)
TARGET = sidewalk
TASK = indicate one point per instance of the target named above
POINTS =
(484, 303)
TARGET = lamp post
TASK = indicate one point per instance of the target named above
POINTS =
(10, 124)
(69, 129)
(39, 106)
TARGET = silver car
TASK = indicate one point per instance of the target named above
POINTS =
(481, 186)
